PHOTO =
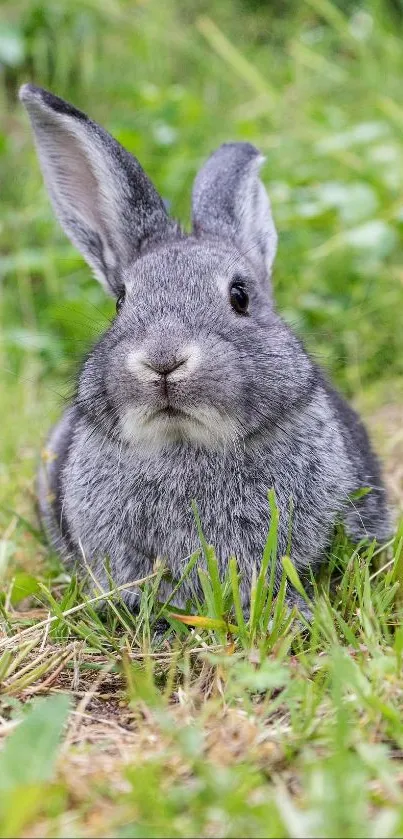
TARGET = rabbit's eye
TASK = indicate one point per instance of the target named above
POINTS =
(120, 300)
(239, 297)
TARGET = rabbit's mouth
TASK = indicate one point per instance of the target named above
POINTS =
(152, 429)
(170, 411)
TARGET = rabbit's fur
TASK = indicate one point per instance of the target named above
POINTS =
(184, 397)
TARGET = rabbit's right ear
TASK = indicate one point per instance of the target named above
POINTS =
(102, 197)
(230, 201)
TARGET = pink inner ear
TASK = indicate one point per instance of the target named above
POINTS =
(104, 200)
(85, 188)
(73, 176)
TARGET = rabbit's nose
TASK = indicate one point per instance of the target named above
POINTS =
(165, 368)
(155, 368)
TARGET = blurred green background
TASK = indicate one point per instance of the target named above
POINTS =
(317, 85)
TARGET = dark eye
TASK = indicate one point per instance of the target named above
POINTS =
(239, 297)
(120, 300)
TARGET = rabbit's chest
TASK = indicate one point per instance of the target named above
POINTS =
(128, 506)
(148, 507)
(162, 505)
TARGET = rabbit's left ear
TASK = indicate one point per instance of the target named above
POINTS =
(230, 201)
(102, 197)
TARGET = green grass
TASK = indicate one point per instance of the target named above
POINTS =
(216, 726)
(258, 727)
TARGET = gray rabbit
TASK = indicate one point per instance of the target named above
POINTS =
(198, 390)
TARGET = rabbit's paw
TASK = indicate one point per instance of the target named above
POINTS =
(296, 600)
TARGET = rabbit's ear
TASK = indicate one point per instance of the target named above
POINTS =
(102, 197)
(229, 200)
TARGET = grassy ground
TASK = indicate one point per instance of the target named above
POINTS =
(111, 727)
